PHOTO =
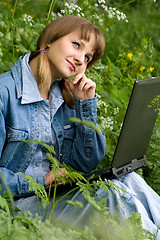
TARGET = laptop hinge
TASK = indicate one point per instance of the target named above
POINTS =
(133, 165)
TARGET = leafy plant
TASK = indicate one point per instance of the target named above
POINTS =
(131, 30)
(26, 226)
(104, 226)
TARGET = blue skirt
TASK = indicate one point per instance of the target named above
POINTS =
(135, 196)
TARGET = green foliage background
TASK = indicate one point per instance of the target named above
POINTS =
(132, 52)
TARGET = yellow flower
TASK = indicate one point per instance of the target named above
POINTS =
(12, 10)
(17, 49)
(140, 53)
(151, 69)
(4, 4)
(142, 68)
(7, 30)
(130, 55)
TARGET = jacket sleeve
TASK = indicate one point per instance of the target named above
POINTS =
(17, 185)
(88, 147)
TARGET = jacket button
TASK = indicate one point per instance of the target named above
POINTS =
(84, 105)
(85, 109)
(60, 135)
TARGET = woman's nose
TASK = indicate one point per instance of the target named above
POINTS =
(79, 58)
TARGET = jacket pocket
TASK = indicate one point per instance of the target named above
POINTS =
(14, 134)
(69, 134)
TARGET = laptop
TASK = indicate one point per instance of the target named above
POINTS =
(136, 131)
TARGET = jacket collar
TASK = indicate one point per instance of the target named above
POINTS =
(30, 92)
(26, 84)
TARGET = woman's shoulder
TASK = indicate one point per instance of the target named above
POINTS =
(5, 75)
(7, 87)
(6, 80)
(9, 79)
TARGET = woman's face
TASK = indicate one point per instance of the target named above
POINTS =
(70, 55)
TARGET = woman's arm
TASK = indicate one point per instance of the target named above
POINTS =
(18, 185)
(82, 147)
(87, 147)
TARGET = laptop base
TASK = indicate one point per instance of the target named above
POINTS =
(135, 164)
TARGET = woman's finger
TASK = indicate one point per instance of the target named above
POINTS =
(51, 178)
(78, 77)
(89, 85)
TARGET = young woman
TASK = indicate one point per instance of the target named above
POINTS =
(36, 104)
(37, 99)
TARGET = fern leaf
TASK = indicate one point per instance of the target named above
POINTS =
(4, 204)
(37, 188)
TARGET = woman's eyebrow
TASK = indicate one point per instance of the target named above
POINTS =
(83, 43)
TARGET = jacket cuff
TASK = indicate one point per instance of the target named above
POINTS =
(23, 187)
(86, 109)
(41, 180)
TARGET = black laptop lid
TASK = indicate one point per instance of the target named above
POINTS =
(138, 123)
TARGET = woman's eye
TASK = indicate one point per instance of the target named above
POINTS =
(76, 44)
(86, 58)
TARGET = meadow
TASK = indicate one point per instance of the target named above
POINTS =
(132, 33)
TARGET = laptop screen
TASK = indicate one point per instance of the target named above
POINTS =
(138, 123)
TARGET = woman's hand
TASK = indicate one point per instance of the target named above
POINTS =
(50, 178)
(82, 87)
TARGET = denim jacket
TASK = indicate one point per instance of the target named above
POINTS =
(76, 145)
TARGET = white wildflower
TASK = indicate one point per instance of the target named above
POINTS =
(118, 18)
(101, 1)
(1, 53)
(28, 19)
(1, 34)
(114, 13)
(106, 123)
(62, 11)
(98, 96)
(67, 5)
(59, 14)
(2, 23)
(72, 9)
(101, 104)
(116, 110)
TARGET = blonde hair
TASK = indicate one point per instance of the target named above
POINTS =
(56, 30)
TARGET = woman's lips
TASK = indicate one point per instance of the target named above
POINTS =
(71, 65)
